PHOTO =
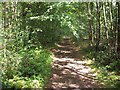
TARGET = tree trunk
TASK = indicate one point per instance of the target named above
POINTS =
(118, 28)
(105, 22)
(98, 27)
(90, 23)
(110, 44)
(4, 26)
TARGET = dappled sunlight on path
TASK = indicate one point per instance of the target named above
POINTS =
(70, 70)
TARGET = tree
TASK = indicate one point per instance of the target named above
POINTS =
(98, 27)
(118, 28)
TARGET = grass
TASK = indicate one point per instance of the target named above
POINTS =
(104, 65)
(109, 79)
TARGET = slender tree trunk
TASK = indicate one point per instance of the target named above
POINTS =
(105, 22)
(4, 25)
(90, 24)
(115, 27)
(118, 28)
(98, 27)
(110, 44)
(23, 22)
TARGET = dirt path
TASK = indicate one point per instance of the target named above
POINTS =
(70, 70)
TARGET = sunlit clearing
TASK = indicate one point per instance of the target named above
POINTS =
(66, 51)
(60, 45)
(63, 59)
(84, 70)
(74, 86)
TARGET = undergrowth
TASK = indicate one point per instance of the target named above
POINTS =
(105, 65)
(29, 68)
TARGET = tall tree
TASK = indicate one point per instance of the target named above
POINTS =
(105, 21)
(118, 28)
(98, 26)
(90, 22)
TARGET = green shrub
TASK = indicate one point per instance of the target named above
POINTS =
(35, 62)
(28, 69)
(25, 82)
(107, 65)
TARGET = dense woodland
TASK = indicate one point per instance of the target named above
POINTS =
(30, 30)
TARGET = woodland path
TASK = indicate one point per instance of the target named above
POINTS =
(70, 70)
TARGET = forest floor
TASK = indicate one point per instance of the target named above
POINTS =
(70, 69)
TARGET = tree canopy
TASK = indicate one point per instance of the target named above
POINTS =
(30, 30)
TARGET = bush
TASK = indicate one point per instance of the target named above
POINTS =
(28, 69)
(35, 62)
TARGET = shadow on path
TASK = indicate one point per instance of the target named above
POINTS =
(69, 68)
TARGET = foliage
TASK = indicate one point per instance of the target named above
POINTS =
(25, 82)
(105, 65)
(27, 69)
(30, 29)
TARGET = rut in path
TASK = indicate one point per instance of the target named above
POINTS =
(69, 69)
